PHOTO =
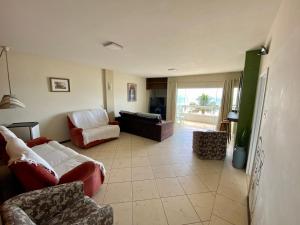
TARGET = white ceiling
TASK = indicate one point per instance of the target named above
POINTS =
(193, 36)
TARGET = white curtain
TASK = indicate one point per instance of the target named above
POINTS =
(171, 98)
(226, 104)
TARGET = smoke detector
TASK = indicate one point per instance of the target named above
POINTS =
(112, 45)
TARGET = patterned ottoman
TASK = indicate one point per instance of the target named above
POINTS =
(210, 144)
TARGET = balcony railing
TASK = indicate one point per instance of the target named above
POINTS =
(196, 113)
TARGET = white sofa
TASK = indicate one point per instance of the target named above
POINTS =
(91, 127)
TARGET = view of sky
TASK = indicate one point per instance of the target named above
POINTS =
(186, 96)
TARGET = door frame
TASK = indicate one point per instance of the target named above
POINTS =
(258, 114)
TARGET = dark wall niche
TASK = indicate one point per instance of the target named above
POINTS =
(158, 95)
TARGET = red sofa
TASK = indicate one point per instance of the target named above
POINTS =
(77, 138)
(34, 176)
(98, 126)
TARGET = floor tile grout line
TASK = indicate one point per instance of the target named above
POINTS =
(156, 187)
(169, 163)
(235, 201)
(224, 219)
(190, 201)
(162, 204)
(214, 204)
(170, 196)
(154, 179)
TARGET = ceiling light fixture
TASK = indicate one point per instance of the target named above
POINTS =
(9, 101)
(172, 69)
(112, 45)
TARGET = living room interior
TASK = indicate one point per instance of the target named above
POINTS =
(149, 112)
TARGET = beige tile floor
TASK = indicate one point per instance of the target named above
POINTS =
(152, 183)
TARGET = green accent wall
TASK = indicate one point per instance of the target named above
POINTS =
(247, 101)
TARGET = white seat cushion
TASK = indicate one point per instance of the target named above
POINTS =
(54, 152)
(99, 133)
(62, 158)
(71, 163)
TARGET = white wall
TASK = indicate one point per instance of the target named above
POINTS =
(205, 80)
(29, 79)
(279, 193)
(120, 93)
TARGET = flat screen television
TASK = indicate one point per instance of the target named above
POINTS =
(158, 106)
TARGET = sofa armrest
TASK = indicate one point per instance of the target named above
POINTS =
(113, 123)
(89, 173)
(14, 215)
(47, 202)
(104, 215)
(167, 129)
(33, 176)
(79, 173)
(76, 131)
(37, 141)
(76, 136)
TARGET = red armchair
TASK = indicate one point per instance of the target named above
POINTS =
(77, 132)
(77, 137)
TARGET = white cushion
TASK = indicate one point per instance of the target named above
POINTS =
(62, 158)
(15, 149)
(73, 162)
(99, 133)
(19, 151)
(91, 118)
(6, 133)
(54, 153)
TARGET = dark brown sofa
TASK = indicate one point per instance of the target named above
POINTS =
(146, 125)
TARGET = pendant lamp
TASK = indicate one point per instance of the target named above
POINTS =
(9, 101)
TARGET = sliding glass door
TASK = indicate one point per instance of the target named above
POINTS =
(198, 106)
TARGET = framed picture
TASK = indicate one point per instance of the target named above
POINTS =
(59, 84)
(131, 92)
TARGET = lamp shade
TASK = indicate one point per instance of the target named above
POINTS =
(10, 101)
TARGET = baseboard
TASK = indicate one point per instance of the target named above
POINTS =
(248, 211)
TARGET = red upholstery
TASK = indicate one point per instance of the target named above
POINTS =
(113, 123)
(37, 141)
(3, 154)
(77, 138)
(34, 177)
(88, 173)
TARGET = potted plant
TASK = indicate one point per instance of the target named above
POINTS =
(239, 153)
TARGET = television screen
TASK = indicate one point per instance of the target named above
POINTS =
(157, 101)
(158, 106)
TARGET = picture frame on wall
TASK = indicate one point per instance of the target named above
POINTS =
(59, 84)
(131, 92)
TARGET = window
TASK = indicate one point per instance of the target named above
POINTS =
(235, 99)
(199, 104)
